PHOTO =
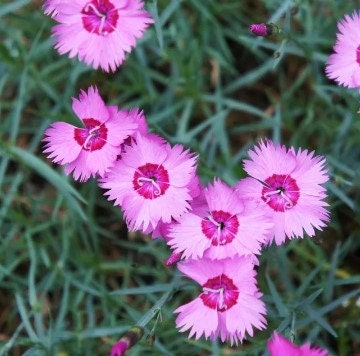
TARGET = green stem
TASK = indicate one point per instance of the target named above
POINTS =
(158, 305)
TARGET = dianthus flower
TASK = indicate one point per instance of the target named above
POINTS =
(229, 305)
(151, 182)
(229, 226)
(287, 185)
(279, 346)
(92, 149)
(99, 32)
(344, 65)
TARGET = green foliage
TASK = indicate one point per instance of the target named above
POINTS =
(72, 279)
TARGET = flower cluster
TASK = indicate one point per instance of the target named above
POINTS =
(219, 239)
(216, 232)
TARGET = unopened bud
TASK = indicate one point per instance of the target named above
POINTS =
(263, 29)
(173, 259)
(151, 338)
(130, 338)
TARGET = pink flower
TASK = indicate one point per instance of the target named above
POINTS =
(228, 226)
(286, 184)
(99, 32)
(92, 149)
(344, 65)
(279, 346)
(151, 182)
(229, 305)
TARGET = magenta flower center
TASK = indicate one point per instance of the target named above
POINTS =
(151, 180)
(100, 17)
(93, 136)
(358, 54)
(220, 227)
(219, 293)
(281, 192)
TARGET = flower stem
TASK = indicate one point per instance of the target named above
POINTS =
(153, 312)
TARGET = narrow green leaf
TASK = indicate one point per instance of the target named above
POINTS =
(157, 24)
(329, 286)
(280, 306)
(50, 175)
(24, 314)
(308, 279)
(314, 315)
(143, 290)
(307, 301)
(13, 6)
(341, 195)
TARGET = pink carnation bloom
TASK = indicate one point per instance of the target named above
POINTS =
(229, 305)
(344, 65)
(279, 346)
(99, 32)
(229, 226)
(151, 182)
(92, 149)
(286, 184)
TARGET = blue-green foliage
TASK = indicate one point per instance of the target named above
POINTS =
(72, 279)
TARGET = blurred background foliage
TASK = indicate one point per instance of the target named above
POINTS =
(72, 279)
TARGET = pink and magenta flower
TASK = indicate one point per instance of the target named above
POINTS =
(280, 346)
(287, 185)
(229, 305)
(98, 32)
(226, 227)
(92, 149)
(344, 65)
(151, 182)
